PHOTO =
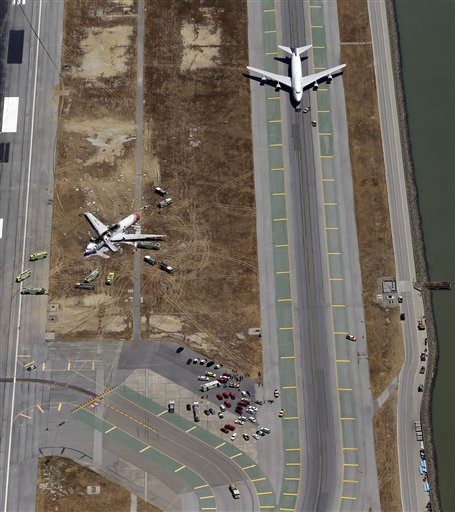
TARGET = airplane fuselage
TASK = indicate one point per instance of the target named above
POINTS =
(296, 77)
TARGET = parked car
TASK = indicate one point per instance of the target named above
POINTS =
(188, 407)
(232, 395)
(224, 430)
(234, 436)
(180, 349)
(229, 426)
(246, 437)
(203, 377)
(281, 413)
(219, 396)
(276, 393)
(165, 202)
(222, 407)
(227, 403)
(220, 415)
(211, 411)
(189, 361)
(350, 337)
(218, 366)
(160, 191)
(226, 395)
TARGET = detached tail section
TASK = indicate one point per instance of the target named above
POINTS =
(298, 51)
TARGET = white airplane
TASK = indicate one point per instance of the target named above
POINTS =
(296, 82)
(109, 236)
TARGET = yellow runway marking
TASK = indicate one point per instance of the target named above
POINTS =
(190, 429)
(327, 156)
(293, 464)
(259, 479)
(347, 419)
(348, 498)
(350, 481)
(40, 409)
(315, 6)
(289, 494)
(288, 387)
(325, 134)
(280, 220)
(328, 179)
(161, 413)
(201, 487)
(249, 467)
(24, 415)
(344, 389)
(277, 169)
(273, 98)
(334, 253)
(319, 47)
(277, 145)
(236, 455)
(286, 329)
(145, 449)
(219, 446)
(324, 111)
(284, 300)
(23, 355)
(343, 361)
(331, 229)
(265, 492)
(282, 245)
(338, 305)
(287, 357)
(317, 26)
(351, 449)
(270, 32)
(330, 204)
(321, 90)
(272, 53)
(350, 465)
(279, 194)
(282, 272)
(290, 509)
(292, 478)
(179, 469)
(206, 497)
(292, 449)
(275, 121)
(110, 430)
(336, 278)
(267, 506)
(268, 10)
(291, 418)
(340, 332)
(59, 407)
(208, 508)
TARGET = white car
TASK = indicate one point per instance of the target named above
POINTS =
(244, 393)
(243, 418)
(252, 419)
(217, 366)
(220, 415)
(203, 377)
(202, 361)
(234, 436)
(250, 410)
(239, 422)
(222, 407)
(256, 436)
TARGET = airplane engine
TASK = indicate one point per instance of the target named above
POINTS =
(277, 86)
(263, 79)
(315, 86)
(329, 79)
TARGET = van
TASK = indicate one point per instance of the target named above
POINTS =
(165, 202)
(402, 316)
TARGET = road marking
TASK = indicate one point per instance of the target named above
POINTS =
(179, 469)
(208, 508)
(331, 229)
(324, 134)
(201, 487)
(277, 145)
(329, 179)
(161, 413)
(351, 449)
(319, 47)
(287, 357)
(293, 464)
(350, 465)
(10, 112)
(219, 446)
(1, 230)
(269, 31)
(327, 156)
(334, 253)
(330, 204)
(350, 481)
(44, 366)
(69, 366)
(292, 478)
(268, 10)
(236, 455)
(336, 278)
(24, 415)
(282, 245)
(275, 121)
(271, 53)
(190, 429)
(145, 449)
(284, 300)
(288, 387)
(291, 418)
(279, 194)
(286, 328)
(273, 98)
(258, 479)
(347, 419)
(110, 430)
(93, 365)
(59, 407)
(344, 389)
(338, 305)
(317, 26)
(277, 169)
(289, 494)
(40, 409)
(282, 272)
(343, 361)
(325, 111)
(249, 467)
(206, 497)
(280, 219)
(348, 498)
(340, 332)
(265, 492)
(320, 89)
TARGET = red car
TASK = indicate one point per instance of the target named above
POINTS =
(223, 380)
(219, 396)
(224, 430)
(227, 374)
(225, 394)
(229, 426)
(232, 395)
(239, 410)
(242, 403)
(227, 403)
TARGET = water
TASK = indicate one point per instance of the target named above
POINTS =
(427, 49)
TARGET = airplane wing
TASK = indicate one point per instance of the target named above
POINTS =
(310, 79)
(122, 237)
(111, 246)
(285, 80)
(96, 224)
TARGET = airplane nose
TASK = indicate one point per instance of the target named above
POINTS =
(138, 216)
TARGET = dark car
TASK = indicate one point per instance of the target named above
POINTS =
(210, 363)
(223, 380)
(224, 430)
(402, 316)
(249, 393)
(422, 454)
(232, 395)
(189, 361)
(239, 410)
(226, 395)
(227, 403)
(219, 396)
(227, 374)
(211, 411)
(206, 412)
(188, 407)
(243, 403)
(180, 349)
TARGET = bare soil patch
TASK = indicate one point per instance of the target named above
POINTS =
(62, 486)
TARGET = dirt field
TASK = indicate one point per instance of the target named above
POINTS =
(197, 144)
(385, 343)
(62, 486)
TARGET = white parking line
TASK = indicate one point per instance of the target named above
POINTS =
(10, 111)
(1, 227)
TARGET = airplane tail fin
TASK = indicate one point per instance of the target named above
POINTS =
(303, 49)
(285, 49)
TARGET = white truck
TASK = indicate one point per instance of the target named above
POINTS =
(210, 385)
